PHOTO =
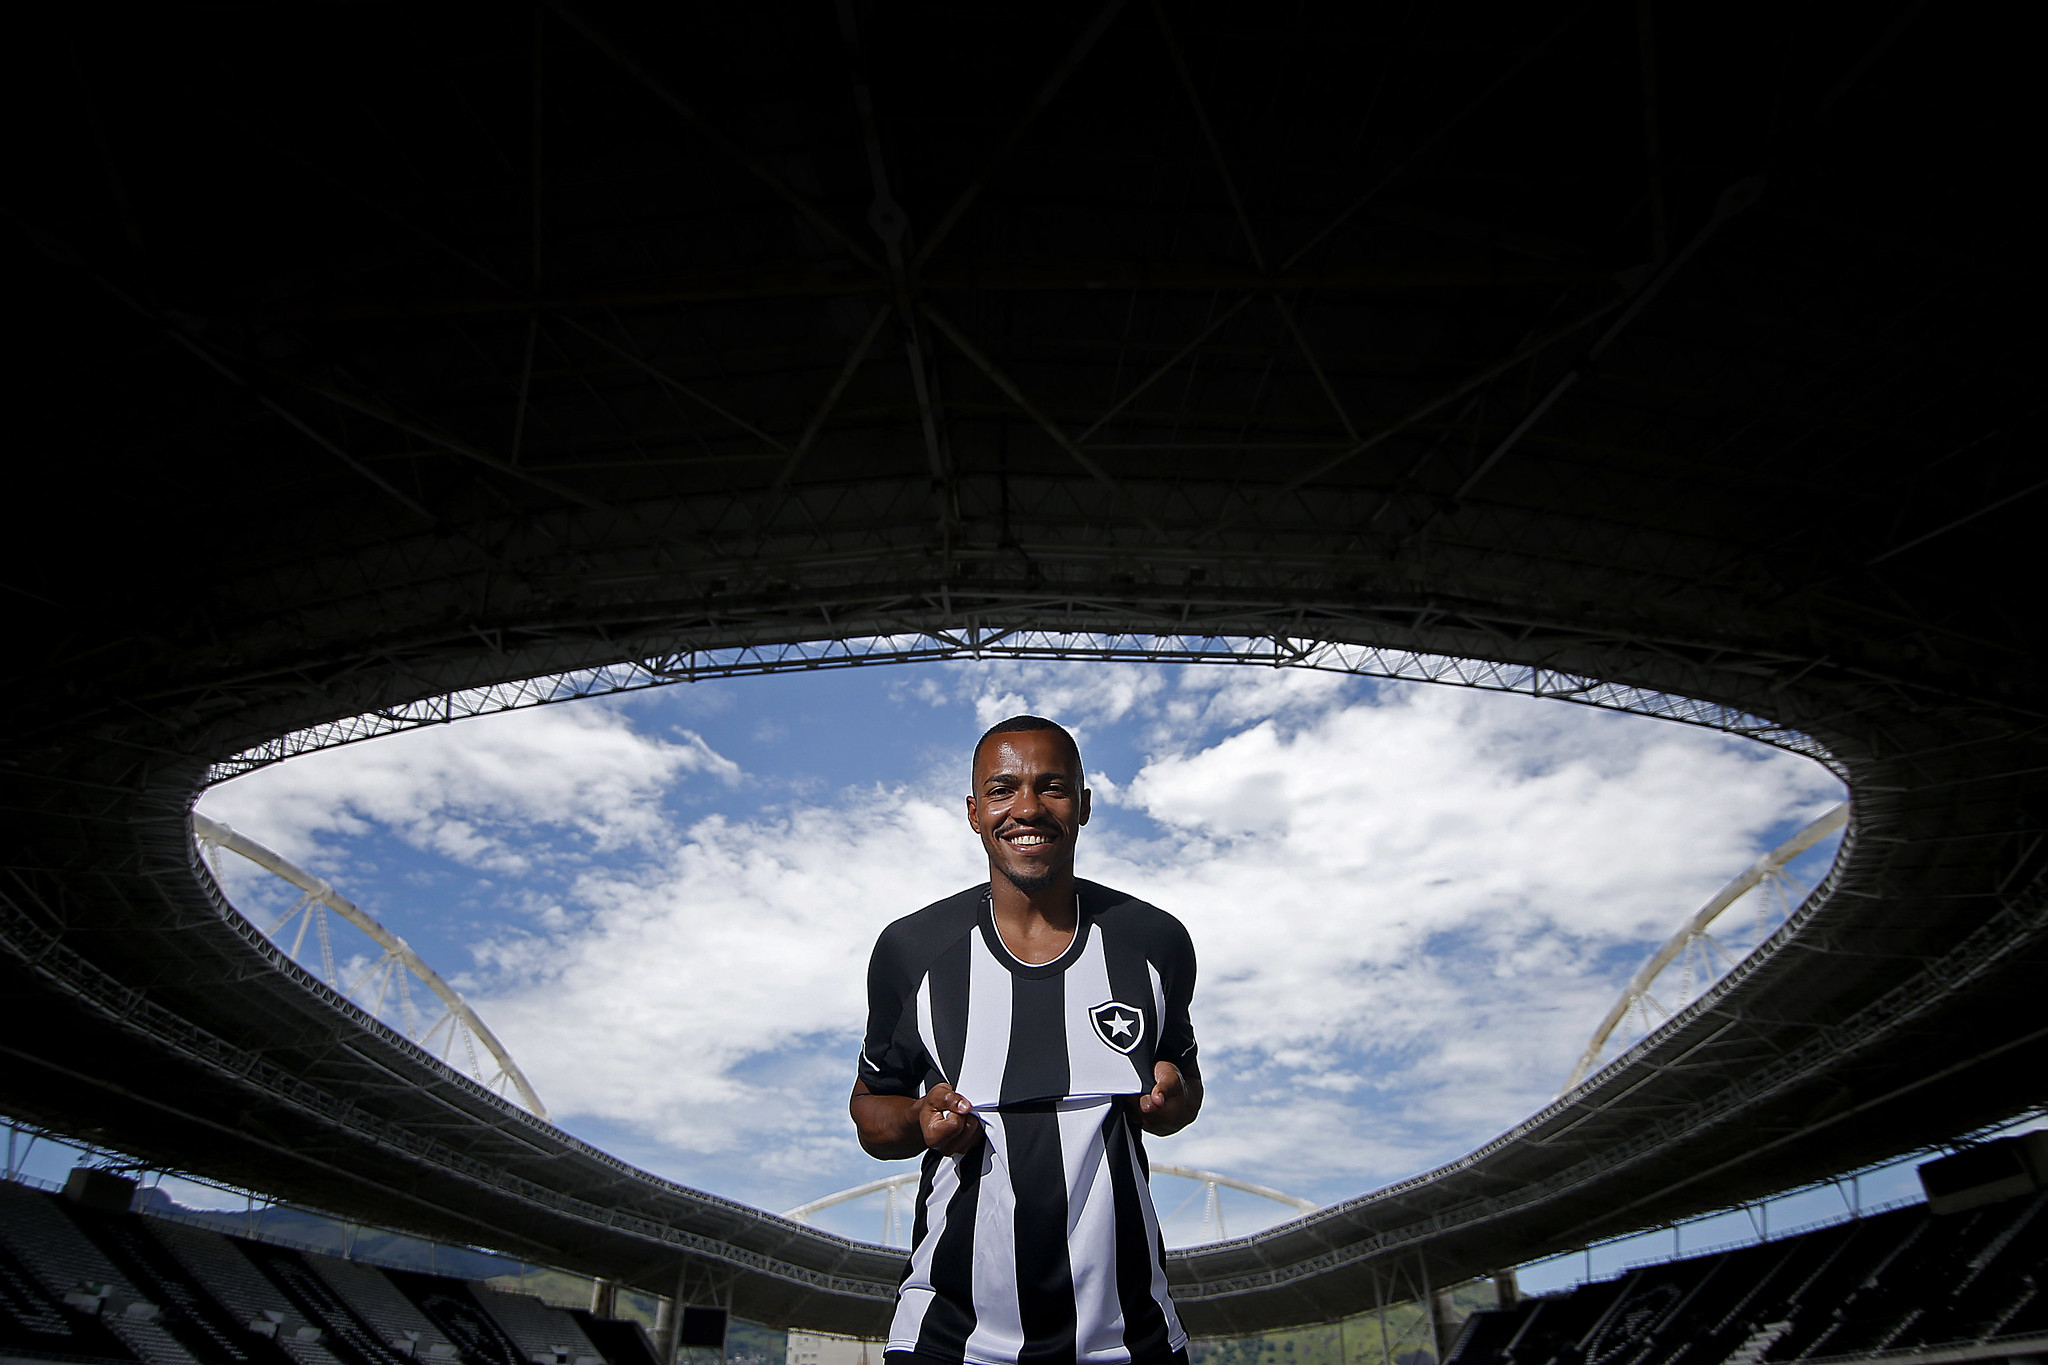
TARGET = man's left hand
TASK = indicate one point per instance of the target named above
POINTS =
(1173, 1102)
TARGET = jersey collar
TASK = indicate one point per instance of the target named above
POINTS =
(1000, 951)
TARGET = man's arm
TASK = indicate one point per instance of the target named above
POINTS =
(891, 1120)
(1176, 1095)
(892, 1127)
(1175, 1099)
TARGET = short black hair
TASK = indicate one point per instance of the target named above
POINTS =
(1017, 723)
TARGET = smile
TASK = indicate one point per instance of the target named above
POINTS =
(1027, 840)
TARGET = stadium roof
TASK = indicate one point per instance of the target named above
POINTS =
(370, 355)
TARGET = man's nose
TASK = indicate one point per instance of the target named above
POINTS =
(1026, 805)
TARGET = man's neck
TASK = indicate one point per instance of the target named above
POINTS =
(1036, 926)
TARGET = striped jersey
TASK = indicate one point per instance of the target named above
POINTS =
(1040, 1244)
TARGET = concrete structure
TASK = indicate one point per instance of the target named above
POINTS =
(432, 365)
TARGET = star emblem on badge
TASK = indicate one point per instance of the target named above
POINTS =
(1118, 1025)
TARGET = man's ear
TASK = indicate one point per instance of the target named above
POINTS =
(1087, 803)
(973, 815)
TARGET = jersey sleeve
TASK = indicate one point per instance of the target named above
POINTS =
(1177, 979)
(892, 1056)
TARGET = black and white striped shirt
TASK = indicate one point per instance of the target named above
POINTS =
(1041, 1244)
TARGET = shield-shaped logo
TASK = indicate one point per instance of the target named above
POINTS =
(1117, 1024)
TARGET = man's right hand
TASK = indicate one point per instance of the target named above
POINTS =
(947, 1121)
(893, 1127)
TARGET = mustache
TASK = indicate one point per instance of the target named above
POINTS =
(1035, 826)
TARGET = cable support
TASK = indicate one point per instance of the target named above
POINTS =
(932, 646)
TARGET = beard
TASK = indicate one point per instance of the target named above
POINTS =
(1029, 881)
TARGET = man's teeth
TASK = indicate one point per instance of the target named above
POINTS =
(1030, 840)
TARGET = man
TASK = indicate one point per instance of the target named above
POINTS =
(1019, 1035)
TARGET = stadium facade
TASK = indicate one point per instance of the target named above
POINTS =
(404, 366)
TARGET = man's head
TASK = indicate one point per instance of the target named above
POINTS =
(1028, 801)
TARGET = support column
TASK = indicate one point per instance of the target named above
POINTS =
(1443, 1323)
(1380, 1297)
(668, 1320)
(604, 1298)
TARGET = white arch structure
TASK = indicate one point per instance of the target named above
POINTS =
(398, 954)
(1693, 933)
(1212, 1180)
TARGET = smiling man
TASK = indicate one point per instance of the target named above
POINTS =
(1019, 1036)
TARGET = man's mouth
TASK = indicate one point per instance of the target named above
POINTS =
(1027, 839)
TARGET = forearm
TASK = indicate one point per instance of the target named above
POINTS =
(887, 1125)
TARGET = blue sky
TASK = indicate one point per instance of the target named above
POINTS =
(1411, 902)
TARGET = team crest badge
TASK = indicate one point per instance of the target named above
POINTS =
(1117, 1024)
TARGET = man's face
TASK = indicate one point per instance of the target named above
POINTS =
(1028, 805)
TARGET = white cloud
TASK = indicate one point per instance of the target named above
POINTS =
(470, 791)
(747, 939)
(1410, 908)
(1169, 707)
(1408, 903)
(1085, 698)
(1401, 909)
(1080, 695)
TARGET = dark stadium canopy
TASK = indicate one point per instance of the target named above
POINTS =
(368, 353)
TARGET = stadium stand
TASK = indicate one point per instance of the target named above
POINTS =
(80, 1283)
(342, 1330)
(36, 1228)
(1906, 1283)
(394, 1317)
(547, 1336)
(203, 1323)
(451, 1307)
(1662, 358)
(256, 1305)
(35, 1323)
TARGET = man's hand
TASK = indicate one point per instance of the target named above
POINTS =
(1173, 1103)
(892, 1127)
(947, 1121)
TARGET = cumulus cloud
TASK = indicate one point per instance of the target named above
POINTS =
(472, 791)
(1410, 903)
(726, 980)
(1407, 909)
(1414, 905)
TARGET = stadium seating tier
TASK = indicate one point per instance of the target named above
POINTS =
(1901, 1282)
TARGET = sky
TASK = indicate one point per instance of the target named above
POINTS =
(1411, 903)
